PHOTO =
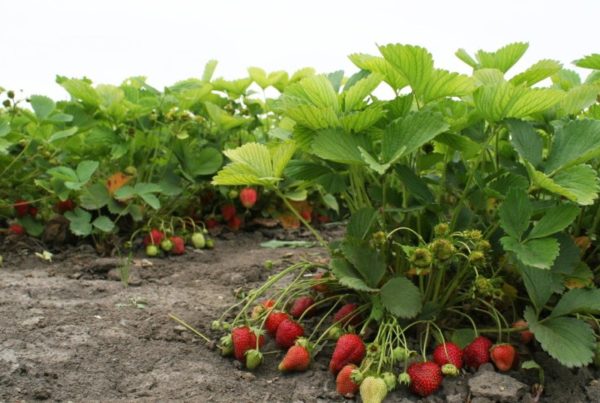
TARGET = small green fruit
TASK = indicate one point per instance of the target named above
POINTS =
(233, 194)
(166, 245)
(226, 345)
(210, 243)
(253, 359)
(373, 390)
(152, 250)
(390, 380)
(198, 240)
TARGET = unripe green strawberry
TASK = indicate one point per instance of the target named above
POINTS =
(226, 345)
(210, 243)
(232, 194)
(152, 250)
(166, 245)
(390, 380)
(450, 370)
(253, 358)
(404, 379)
(198, 240)
(373, 390)
(400, 354)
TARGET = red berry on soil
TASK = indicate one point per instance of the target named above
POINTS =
(287, 333)
(16, 229)
(297, 358)
(344, 385)
(477, 353)
(448, 353)
(425, 378)
(64, 206)
(248, 197)
(155, 237)
(347, 315)
(211, 223)
(228, 211)
(349, 349)
(268, 303)
(32, 211)
(526, 335)
(178, 245)
(244, 339)
(273, 321)
(21, 207)
(307, 215)
(503, 356)
(300, 305)
(234, 223)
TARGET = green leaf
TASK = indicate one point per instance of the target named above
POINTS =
(259, 76)
(209, 70)
(360, 121)
(536, 73)
(86, 169)
(539, 253)
(401, 298)
(488, 76)
(461, 143)
(331, 202)
(540, 284)
(313, 117)
(151, 200)
(281, 154)
(4, 128)
(515, 213)
(142, 188)
(42, 106)
(223, 119)
(554, 220)
(62, 134)
(347, 276)
(569, 340)
(361, 222)
(83, 91)
(504, 58)
(589, 62)
(415, 185)
(358, 92)
(379, 65)
(368, 262)
(337, 146)
(579, 300)
(207, 161)
(95, 197)
(578, 183)
(317, 91)
(574, 143)
(443, 83)
(413, 62)
(80, 224)
(526, 141)
(104, 224)
(578, 99)
(466, 58)
(32, 226)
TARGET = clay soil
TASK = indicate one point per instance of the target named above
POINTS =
(70, 330)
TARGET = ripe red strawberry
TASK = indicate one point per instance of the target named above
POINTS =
(244, 339)
(349, 349)
(503, 356)
(268, 303)
(477, 353)
(32, 211)
(347, 315)
(344, 385)
(448, 353)
(211, 223)
(287, 333)
(526, 335)
(234, 223)
(228, 211)
(320, 287)
(21, 207)
(307, 215)
(16, 229)
(273, 321)
(155, 237)
(300, 305)
(323, 219)
(248, 197)
(178, 245)
(62, 206)
(297, 358)
(425, 377)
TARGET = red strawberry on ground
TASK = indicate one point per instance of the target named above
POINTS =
(297, 358)
(248, 197)
(503, 356)
(344, 385)
(234, 223)
(300, 305)
(62, 206)
(178, 245)
(228, 211)
(155, 237)
(307, 215)
(16, 229)
(477, 353)
(425, 378)
(448, 353)
(21, 207)
(244, 339)
(211, 223)
(273, 321)
(268, 303)
(347, 315)
(32, 211)
(349, 349)
(526, 335)
(287, 333)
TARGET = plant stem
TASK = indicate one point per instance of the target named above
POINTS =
(315, 233)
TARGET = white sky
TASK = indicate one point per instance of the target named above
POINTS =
(168, 41)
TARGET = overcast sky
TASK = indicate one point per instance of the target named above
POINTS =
(167, 41)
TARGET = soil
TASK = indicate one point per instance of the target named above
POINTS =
(70, 330)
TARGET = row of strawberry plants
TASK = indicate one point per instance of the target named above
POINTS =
(474, 216)
(114, 160)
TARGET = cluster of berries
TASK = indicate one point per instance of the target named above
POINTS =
(157, 240)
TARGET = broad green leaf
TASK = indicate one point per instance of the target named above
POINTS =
(254, 156)
(569, 340)
(373, 163)
(488, 76)
(296, 195)
(62, 134)
(361, 222)
(579, 300)
(401, 298)
(151, 200)
(461, 143)
(358, 92)
(368, 262)
(64, 174)
(501, 185)
(42, 106)
(566, 79)
(347, 276)
(502, 59)
(411, 132)
(580, 183)
(80, 224)
(104, 224)
(206, 162)
(32, 226)
(125, 192)
(574, 143)
(443, 83)
(83, 91)
(413, 62)
(281, 154)
(589, 62)
(466, 58)
(380, 66)
(540, 284)
(313, 117)
(415, 185)
(318, 91)
(526, 141)
(4, 128)
(86, 169)
(569, 256)
(142, 188)
(336, 78)
(331, 202)
(538, 253)
(94, 197)
(259, 76)
(337, 146)
(536, 73)
(515, 213)
(554, 220)
(278, 80)
(235, 88)
(356, 122)
(301, 74)
(578, 99)
(209, 70)
(224, 119)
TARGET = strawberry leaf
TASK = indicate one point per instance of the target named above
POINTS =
(401, 298)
